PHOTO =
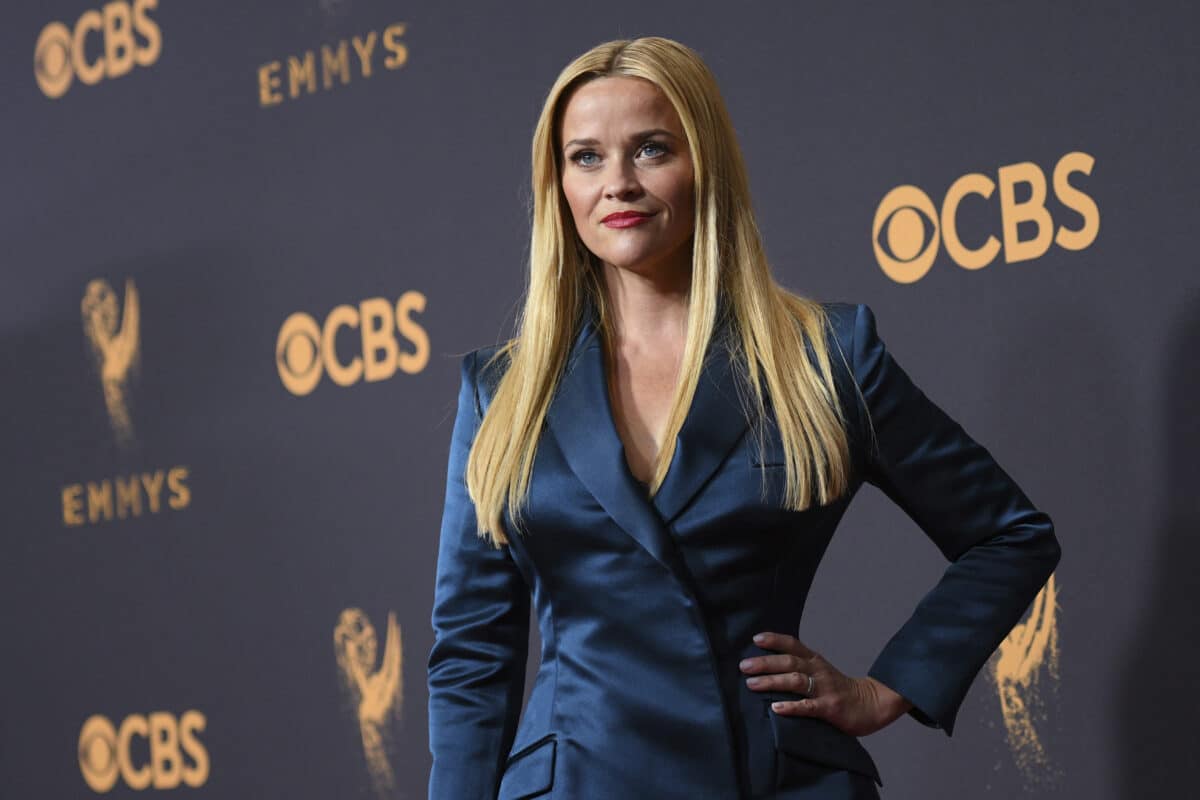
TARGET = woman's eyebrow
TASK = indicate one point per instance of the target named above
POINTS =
(632, 137)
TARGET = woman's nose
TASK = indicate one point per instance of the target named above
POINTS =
(621, 181)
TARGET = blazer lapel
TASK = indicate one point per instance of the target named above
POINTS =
(581, 420)
(580, 417)
(713, 426)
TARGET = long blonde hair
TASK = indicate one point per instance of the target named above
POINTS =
(771, 324)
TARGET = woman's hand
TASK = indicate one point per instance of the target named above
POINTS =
(858, 706)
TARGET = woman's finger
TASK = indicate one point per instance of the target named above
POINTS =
(772, 663)
(808, 707)
(795, 682)
(769, 640)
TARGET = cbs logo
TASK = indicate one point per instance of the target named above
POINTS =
(61, 53)
(305, 349)
(107, 752)
(908, 225)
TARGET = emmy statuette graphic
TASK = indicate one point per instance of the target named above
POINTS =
(116, 349)
(377, 692)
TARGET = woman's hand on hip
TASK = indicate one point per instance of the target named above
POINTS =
(858, 706)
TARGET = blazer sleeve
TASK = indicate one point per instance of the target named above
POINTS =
(476, 668)
(1002, 549)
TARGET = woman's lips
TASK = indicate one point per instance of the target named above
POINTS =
(625, 219)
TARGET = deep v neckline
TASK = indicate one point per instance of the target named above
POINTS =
(611, 406)
(581, 420)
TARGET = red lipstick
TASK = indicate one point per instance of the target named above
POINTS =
(626, 219)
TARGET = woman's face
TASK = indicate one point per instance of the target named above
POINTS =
(624, 150)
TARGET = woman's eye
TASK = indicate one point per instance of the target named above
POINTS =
(581, 157)
(654, 146)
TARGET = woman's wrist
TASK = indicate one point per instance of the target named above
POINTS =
(891, 704)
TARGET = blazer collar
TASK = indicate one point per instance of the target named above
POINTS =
(581, 419)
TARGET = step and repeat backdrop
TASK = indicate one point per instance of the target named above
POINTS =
(245, 246)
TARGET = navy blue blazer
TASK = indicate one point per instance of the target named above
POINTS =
(646, 606)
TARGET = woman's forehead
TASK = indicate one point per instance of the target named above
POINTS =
(603, 103)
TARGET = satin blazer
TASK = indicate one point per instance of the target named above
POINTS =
(646, 606)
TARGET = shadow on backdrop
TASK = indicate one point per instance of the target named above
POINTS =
(1158, 732)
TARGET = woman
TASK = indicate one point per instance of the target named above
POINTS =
(660, 458)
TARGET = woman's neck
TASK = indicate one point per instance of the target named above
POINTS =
(646, 311)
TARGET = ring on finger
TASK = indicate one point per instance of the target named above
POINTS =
(811, 684)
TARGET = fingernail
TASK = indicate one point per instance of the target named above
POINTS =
(753, 681)
(777, 706)
(746, 664)
(759, 637)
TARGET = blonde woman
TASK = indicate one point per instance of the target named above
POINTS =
(657, 462)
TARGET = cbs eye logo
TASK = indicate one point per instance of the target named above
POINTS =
(909, 226)
(61, 53)
(108, 752)
(305, 349)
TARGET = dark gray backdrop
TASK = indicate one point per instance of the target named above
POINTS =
(1076, 369)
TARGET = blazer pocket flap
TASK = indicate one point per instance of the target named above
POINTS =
(530, 771)
(819, 741)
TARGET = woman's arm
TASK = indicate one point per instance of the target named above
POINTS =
(481, 635)
(1002, 548)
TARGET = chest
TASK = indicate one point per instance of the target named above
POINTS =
(641, 388)
(730, 535)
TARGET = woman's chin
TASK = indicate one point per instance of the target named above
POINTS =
(644, 265)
